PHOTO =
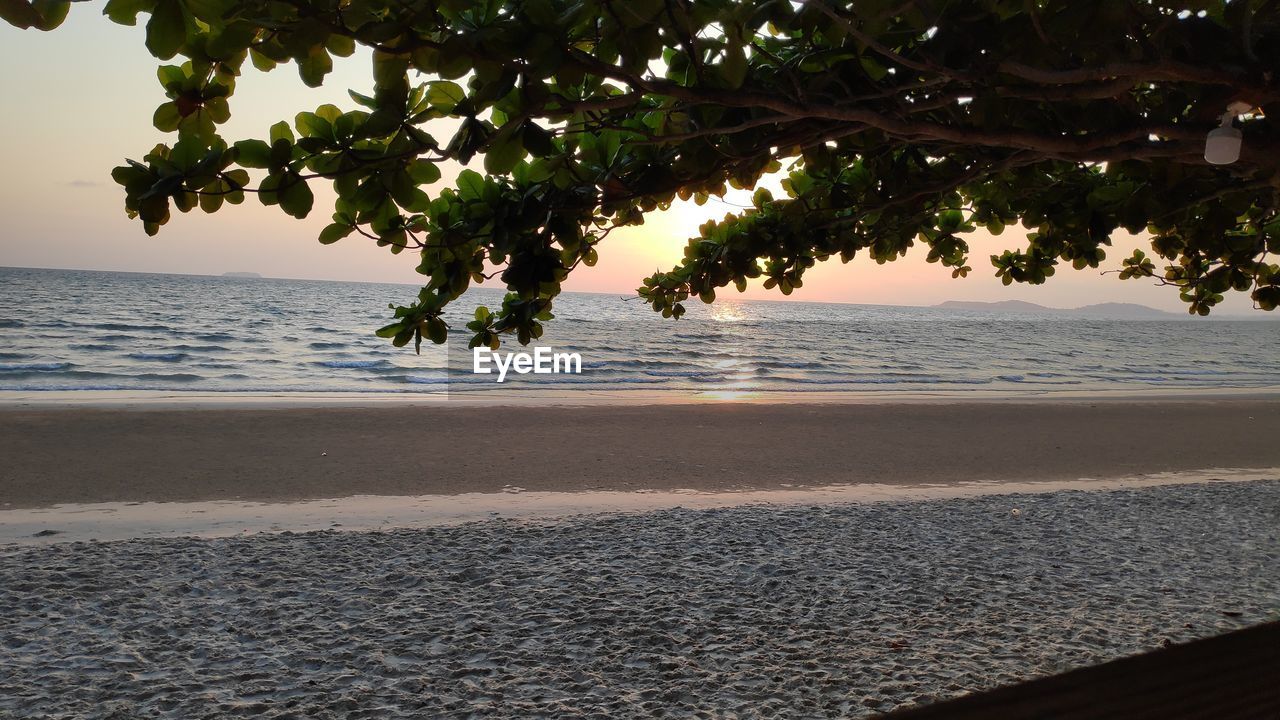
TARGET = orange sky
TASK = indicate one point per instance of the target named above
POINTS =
(79, 100)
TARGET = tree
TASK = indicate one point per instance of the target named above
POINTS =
(895, 122)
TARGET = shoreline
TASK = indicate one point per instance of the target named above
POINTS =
(117, 521)
(579, 397)
(161, 454)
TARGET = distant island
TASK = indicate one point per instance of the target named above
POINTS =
(242, 275)
(1108, 311)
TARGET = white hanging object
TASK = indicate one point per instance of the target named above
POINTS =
(1222, 146)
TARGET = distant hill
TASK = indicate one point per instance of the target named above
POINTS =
(242, 275)
(1109, 311)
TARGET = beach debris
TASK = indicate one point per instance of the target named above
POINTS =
(324, 454)
(513, 489)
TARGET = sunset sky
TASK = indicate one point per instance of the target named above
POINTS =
(78, 100)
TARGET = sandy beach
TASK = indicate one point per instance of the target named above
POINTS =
(830, 611)
(696, 560)
(158, 453)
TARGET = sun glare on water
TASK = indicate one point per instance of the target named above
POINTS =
(727, 313)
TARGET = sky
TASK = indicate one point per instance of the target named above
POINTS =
(78, 101)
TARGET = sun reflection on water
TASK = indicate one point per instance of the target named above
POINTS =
(728, 313)
(729, 395)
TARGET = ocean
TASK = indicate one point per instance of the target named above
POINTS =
(103, 331)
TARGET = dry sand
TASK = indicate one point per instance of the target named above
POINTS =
(832, 611)
(85, 455)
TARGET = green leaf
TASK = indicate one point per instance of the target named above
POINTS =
(537, 140)
(125, 12)
(335, 232)
(445, 95)
(171, 77)
(874, 70)
(437, 331)
(734, 66)
(19, 14)
(424, 172)
(388, 69)
(167, 117)
(315, 66)
(502, 156)
(210, 203)
(52, 12)
(312, 125)
(281, 131)
(389, 331)
(167, 29)
(470, 185)
(261, 61)
(364, 100)
(154, 209)
(253, 153)
(218, 109)
(296, 198)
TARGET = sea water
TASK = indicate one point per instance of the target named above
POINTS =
(97, 331)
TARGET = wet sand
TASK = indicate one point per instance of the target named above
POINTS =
(71, 454)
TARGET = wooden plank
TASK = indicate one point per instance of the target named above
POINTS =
(1228, 677)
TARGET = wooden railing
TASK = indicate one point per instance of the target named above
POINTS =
(1228, 677)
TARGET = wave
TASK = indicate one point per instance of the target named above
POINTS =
(202, 348)
(326, 345)
(215, 337)
(352, 363)
(10, 323)
(34, 367)
(883, 380)
(169, 377)
(683, 373)
(159, 357)
(420, 380)
(130, 326)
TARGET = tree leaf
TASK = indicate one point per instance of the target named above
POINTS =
(424, 172)
(296, 198)
(502, 156)
(335, 232)
(167, 29)
(19, 14)
(167, 117)
(445, 95)
(734, 66)
(470, 185)
(122, 12)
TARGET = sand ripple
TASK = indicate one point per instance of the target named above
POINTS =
(745, 612)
